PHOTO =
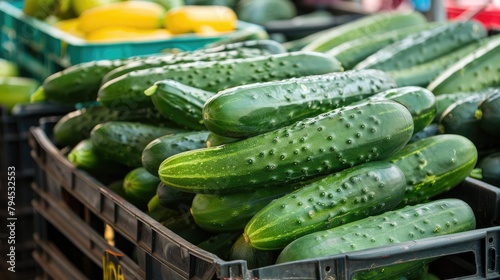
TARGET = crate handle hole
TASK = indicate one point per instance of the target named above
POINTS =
(328, 268)
(492, 264)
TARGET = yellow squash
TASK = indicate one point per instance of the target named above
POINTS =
(191, 18)
(126, 34)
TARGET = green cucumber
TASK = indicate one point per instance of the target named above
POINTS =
(124, 141)
(354, 51)
(267, 45)
(217, 140)
(424, 46)
(313, 147)
(428, 131)
(367, 25)
(463, 117)
(139, 187)
(443, 101)
(254, 258)
(232, 211)
(181, 103)
(354, 193)
(490, 111)
(488, 169)
(171, 198)
(165, 146)
(253, 109)
(128, 90)
(220, 244)
(436, 218)
(423, 74)
(473, 72)
(434, 165)
(184, 226)
(419, 101)
(178, 59)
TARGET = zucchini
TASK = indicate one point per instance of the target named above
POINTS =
(128, 90)
(76, 125)
(463, 117)
(124, 141)
(434, 165)
(490, 112)
(139, 187)
(217, 140)
(254, 258)
(423, 74)
(220, 244)
(171, 198)
(253, 109)
(15, 90)
(435, 218)
(168, 145)
(178, 59)
(475, 71)
(354, 51)
(354, 193)
(488, 169)
(313, 147)
(367, 25)
(180, 103)
(419, 101)
(424, 46)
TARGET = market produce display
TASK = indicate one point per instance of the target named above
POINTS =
(271, 153)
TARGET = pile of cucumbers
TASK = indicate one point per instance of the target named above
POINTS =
(269, 152)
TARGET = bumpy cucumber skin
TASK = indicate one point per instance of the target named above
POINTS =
(373, 24)
(423, 74)
(180, 103)
(463, 117)
(476, 71)
(255, 258)
(140, 186)
(77, 125)
(354, 51)
(124, 142)
(128, 90)
(436, 218)
(257, 108)
(424, 46)
(419, 101)
(165, 146)
(434, 165)
(316, 146)
(214, 139)
(490, 108)
(178, 59)
(346, 196)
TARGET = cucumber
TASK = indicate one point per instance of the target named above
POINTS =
(15, 90)
(217, 140)
(354, 51)
(313, 147)
(367, 25)
(128, 90)
(171, 198)
(220, 244)
(232, 211)
(85, 156)
(436, 218)
(181, 103)
(253, 109)
(354, 193)
(165, 146)
(178, 59)
(488, 169)
(267, 45)
(443, 101)
(124, 141)
(419, 101)
(463, 117)
(76, 125)
(139, 187)
(490, 111)
(473, 72)
(434, 165)
(254, 258)
(184, 226)
(423, 74)
(424, 46)
(428, 131)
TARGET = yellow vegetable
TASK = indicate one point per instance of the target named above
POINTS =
(70, 26)
(132, 14)
(126, 34)
(191, 18)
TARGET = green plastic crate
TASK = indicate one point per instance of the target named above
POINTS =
(42, 49)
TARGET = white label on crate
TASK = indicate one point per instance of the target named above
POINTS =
(111, 266)
(11, 218)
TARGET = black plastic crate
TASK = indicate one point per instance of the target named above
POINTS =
(78, 206)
